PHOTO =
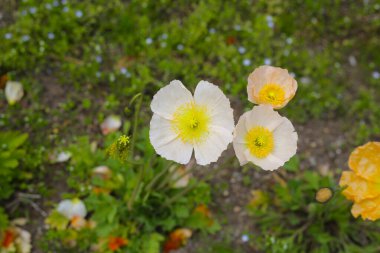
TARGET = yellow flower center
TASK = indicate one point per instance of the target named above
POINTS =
(272, 94)
(191, 123)
(259, 141)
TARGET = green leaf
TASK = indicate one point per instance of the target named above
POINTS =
(293, 164)
(57, 220)
(152, 243)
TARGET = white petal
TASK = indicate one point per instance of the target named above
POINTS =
(71, 208)
(102, 171)
(239, 138)
(111, 124)
(78, 209)
(64, 207)
(268, 163)
(285, 139)
(23, 241)
(210, 149)
(265, 116)
(63, 156)
(161, 131)
(218, 105)
(166, 142)
(166, 101)
(13, 92)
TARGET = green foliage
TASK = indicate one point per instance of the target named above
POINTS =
(3, 220)
(122, 202)
(11, 152)
(57, 221)
(293, 221)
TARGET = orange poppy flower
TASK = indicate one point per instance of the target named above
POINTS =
(177, 239)
(363, 182)
(115, 243)
(9, 237)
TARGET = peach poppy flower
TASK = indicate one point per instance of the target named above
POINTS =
(363, 182)
(271, 86)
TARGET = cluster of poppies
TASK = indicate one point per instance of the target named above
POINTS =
(204, 122)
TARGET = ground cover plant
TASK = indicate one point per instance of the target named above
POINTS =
(87, 157)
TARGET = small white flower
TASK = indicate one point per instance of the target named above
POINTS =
(376, 74)
(149, 41)
(264, 138)
(246, 62)
(237, 27)
(79, 14)
(13, 92)
(164, 36)
(352, 60)
(123, 71)
(289, 40)
(51, 35)
(25, 38)
(111, 124)
(66, 9)
(267, 61)
(33, 10)
(8, 36)
(270, 22)
(72, 208)
(63, 156)
(182, 122)
(244, 238)
(241, 50)
(98, 59)
(180, 47)
(305, 80)
(48, 6)
(98, 74)
(212, 30)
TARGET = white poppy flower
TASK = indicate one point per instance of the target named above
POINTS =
(265, 138)
(13, 92)
(111, 124)
(72, 208)
(271, 86)
(181, 122)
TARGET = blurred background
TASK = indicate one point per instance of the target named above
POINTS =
(80, 61)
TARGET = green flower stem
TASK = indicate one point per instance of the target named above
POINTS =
(138, 186)
(188, 171)
(205, 178)
(156, 178)
(139, 99)
(169, 176)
